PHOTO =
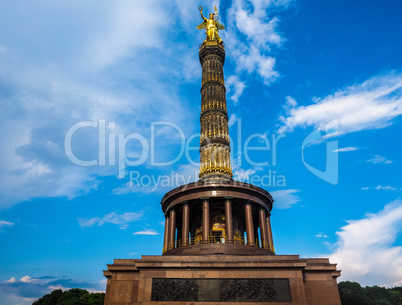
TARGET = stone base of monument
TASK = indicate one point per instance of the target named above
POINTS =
(222, 279)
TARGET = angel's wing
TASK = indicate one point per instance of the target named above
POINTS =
(202, 26)
(220, 26)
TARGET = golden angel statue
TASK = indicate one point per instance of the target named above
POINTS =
(211, 26)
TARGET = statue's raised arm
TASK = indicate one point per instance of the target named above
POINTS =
(211, 26)
(202, 16)
(204, 25)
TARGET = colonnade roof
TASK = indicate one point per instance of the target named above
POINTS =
(217, 189)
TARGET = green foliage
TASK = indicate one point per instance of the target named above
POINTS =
(71, 297)
(353, 294)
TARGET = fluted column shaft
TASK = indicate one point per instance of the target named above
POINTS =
(263, 228)
(166, 236)
(229, 221)
(205, 221)
(186, 224)
(249, 224)
(172, 228)
(270, 239)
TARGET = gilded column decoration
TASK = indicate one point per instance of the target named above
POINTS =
(214, 143)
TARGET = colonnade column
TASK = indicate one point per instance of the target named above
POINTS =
(263, 228)
(166, 236)
(229, 220)
(172, 229)
(205, 220)
(185, 224)
(270, 239)
(249, 224)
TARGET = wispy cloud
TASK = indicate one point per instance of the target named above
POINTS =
(245, 175)
(122, 220)
(382, 188)
(232, 120)
(4, 223)
(146, 232)
(365, 250)
(252, 34)
(234, 88)
(321, 235)
(28, 289)
(285, 199)
(379, 159)
(370, 105)
(59, 82)
(159, 183)
(386, 188)
(346, 149)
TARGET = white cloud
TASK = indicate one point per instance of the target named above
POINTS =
(232, 119)
(131, 187)
(370, 105)
(379, 159)
(386, 188)
(28, 289)
(160, 183)
(12, 280)
(122, 220)
(321, 235)
(365, 251)
(26, 279)
(59, 67)
(289, 103)
(256, 36)
(253, 22)
(146, 232)
(255, 61)
(284, 199)
(245, 175)
(345, 149)
(238, 86)
(382, 188)
(4, 223)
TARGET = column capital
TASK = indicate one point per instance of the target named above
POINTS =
(170, 209)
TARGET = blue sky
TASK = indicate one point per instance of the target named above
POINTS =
(292, 68)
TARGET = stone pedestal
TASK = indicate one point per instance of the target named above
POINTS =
(222, 279)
